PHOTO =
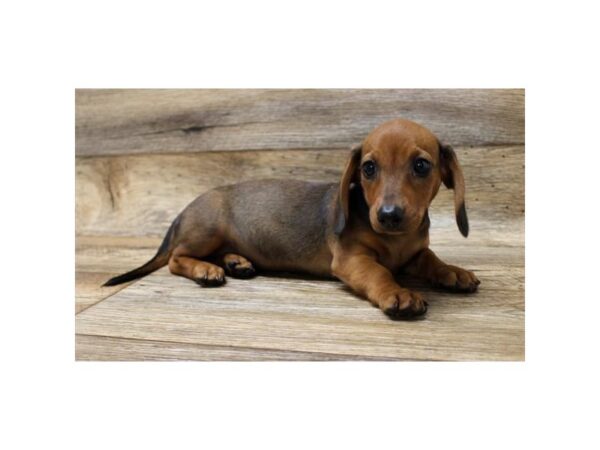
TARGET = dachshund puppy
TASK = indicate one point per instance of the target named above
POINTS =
(363, 230)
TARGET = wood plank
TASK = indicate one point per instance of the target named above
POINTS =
(102, 348)
(88, 290)
(286, 314)
(112, 253)
(178, 120)
(139, 195)
(98, 258)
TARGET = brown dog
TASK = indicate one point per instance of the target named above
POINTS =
(362, 231)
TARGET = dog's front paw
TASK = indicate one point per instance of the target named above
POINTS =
(455, 279)
(403, 304)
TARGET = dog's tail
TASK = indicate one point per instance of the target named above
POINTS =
(160, 259)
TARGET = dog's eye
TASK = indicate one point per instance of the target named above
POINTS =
(369, 169)
(421, 167)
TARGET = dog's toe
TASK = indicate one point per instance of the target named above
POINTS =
(210, 282)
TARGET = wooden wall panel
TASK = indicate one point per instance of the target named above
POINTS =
(139, 195)
(176, 120)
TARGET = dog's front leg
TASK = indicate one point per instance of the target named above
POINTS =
(369, 278)
(427, 265)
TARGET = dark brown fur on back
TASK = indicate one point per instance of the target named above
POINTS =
(282, 225)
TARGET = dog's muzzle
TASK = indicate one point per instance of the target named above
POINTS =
(390, 216)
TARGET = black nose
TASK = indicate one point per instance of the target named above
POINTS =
(390, 216)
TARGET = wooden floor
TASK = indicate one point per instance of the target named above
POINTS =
(281, 318)
(126, 199)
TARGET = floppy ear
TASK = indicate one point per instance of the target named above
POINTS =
(453, 178)
(349, 174)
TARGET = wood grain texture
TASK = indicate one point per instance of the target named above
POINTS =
(283, 314)
(139, 195)
(88, 290)
(163, 121)
(98, 258)
(143, 155)
(103, 348)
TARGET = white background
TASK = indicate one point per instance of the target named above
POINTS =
(50, 48)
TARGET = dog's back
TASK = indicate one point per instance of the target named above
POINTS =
(282, 224)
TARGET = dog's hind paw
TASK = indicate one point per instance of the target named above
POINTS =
(210, 276)
(455, 279)
(239, 267)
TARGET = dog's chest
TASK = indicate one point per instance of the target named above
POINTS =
(394, 254)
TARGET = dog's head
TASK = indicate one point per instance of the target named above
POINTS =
(400, 166)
